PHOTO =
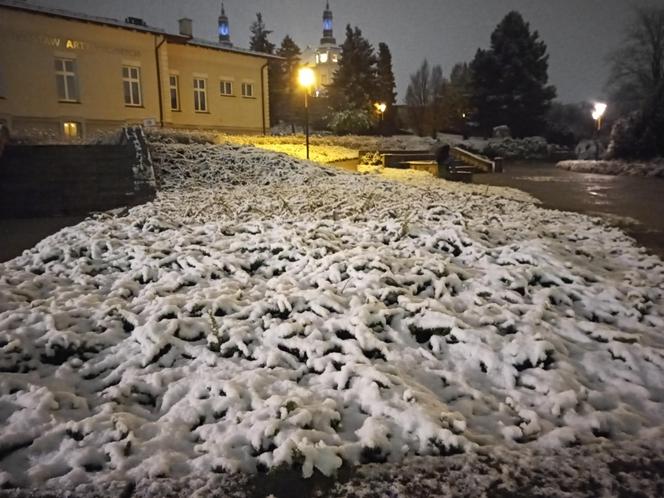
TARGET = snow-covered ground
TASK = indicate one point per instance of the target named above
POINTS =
(616, 167)
(268, 313)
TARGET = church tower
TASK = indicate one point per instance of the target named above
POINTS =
(328, 35)
(224, 28)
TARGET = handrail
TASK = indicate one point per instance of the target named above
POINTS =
(474, 159)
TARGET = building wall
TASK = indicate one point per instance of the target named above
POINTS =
(226, 112)
(29, 104)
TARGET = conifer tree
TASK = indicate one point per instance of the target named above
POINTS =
(386, 86)
(259, 36)
(285, 83)
(510, 79)
(354, 83)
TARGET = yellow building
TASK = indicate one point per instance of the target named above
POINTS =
(64, 74)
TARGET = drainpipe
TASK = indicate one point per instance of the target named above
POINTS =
(263, 94)
(156, 58)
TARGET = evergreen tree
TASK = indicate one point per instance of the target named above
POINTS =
(285, 83)
(259, 33)
(354, 83)
(259, 43)
(510, 79)
(386, 86)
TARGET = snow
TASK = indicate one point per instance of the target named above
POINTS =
(269, 313)
(616, 167)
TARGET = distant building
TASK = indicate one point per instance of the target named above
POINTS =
(324, 59)
(64, 74)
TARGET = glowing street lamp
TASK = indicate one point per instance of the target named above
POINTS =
(380, 107)
(598, 112)
(306, 78)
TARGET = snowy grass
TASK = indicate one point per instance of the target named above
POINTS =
(268, 313)
(615, 167)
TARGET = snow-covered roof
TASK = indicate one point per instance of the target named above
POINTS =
(116, 23)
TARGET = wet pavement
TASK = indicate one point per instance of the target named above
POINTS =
(636, 204)
(18, 234)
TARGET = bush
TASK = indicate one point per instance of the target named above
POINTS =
(632, 138)
(351, 122)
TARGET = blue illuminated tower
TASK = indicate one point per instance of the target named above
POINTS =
(224, 28)
(328, 35)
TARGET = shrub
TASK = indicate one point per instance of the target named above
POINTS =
(351, 122)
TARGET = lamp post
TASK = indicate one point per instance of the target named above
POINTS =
(306, 78)
(380, 107)
(597, 113)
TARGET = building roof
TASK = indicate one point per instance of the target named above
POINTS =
(115, 23)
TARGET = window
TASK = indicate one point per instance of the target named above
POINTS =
(71, 129)
(66, 81)
(247, 89)
(174, 85)
(323, 57)
(131, 82)
(200, 95)
(226, 87)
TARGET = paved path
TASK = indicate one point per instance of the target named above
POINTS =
(16, 235)
(634, 203)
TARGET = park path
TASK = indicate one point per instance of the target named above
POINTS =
(634, 203)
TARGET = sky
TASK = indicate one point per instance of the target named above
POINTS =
(579, 33)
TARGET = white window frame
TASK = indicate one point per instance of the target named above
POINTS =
(226, 88)
(174, 89)
(200, 95)
(62, 74)
(247, 85)
(133, 83)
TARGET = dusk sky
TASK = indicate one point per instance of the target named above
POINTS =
(578, 33)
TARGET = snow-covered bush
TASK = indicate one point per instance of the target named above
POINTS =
(632, 138)
(653, 168)
(351, 122)
(590, 150)
(265, 312)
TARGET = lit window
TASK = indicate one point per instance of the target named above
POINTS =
(323, 57)
(247, 89)
(226, 87)
(200, 95)
(71, 129)
(66, 81)
(131, 81)
(317, 58)
(174, 85)
(335, 58)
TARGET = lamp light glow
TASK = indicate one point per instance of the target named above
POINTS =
(306, 77)
(598, 110)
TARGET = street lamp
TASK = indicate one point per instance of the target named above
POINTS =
(307, 79)
(598, 112)
(380, 107)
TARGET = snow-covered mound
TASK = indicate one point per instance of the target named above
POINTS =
(616, 167)
(266, 312)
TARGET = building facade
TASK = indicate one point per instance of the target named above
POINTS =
(68, 75)
(324, 59)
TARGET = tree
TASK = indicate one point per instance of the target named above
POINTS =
(418, 98)
(637, 67)
(636, 84)
(386, 86)
(510, 79)
(354, 83)
(284, 82)
(259, 33)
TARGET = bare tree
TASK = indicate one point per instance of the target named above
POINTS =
(637, 67)
(418, 98)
